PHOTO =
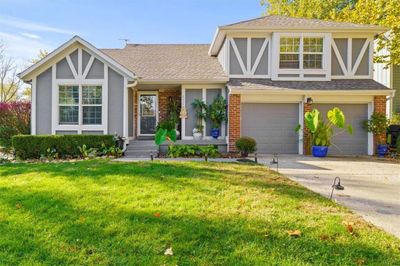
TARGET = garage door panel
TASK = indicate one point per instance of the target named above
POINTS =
(272, 126)
(344, 143)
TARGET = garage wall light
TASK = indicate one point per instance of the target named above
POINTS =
(309, 100)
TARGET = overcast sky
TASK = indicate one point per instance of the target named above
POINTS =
(29, 25)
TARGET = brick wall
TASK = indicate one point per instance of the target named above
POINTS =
(379, 107)
(306, 133)
(163, 98)
(234, 120)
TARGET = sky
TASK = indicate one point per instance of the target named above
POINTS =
(26, 26)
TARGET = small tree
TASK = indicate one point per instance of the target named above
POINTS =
(14, 120)
(377, 124)
(217, 111)
(201, 109)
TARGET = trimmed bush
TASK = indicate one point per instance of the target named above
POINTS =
(246, 145)
(33, 147)
(175, 151)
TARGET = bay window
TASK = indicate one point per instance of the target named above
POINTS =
(301, 53)
(80, 104)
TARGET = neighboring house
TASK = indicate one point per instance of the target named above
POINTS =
(271, 70)
(390, 77)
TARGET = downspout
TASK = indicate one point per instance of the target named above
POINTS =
(130, 86)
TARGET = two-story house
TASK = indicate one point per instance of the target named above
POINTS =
(271, 70)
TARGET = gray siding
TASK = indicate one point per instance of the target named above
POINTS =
(241, 44)
(272, 126)
(130, 113)
(336, 70)
(85, 59)
(191, 115)
(96, 71)
(66, 132)
(74, 59)
(363, 68)
(115, 102)
(43, 103)
(262, 68)
(92, 132)
(234, 66)
(342, 45)
(63, 71)
(343, 143)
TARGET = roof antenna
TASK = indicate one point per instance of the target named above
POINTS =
(125, 40)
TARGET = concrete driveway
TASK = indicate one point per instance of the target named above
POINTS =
(372, 187)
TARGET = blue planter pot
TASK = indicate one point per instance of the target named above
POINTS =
(319, 151)
(215, 133)
(382, 150)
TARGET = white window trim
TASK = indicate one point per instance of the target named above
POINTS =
(140, 93)
(204, 98)
(326, 58)
(80, 81)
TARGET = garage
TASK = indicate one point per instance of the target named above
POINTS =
(272, 125)
(344, 143)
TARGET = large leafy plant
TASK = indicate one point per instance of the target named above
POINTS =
(201, 110)
(217, 111)
(165, 131)
(322, 131)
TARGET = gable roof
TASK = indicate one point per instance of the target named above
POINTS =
(169, 63)
(284, 23)
(26, 74)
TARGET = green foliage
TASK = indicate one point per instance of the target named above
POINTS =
(32, 147)
(217, 111)
(395, 119)
(321, 131)
(246, 145)
(175, 151)
(377, 124)
(165, 131)
(87, 152)
(379, 12)
(201, 110)
(173, 110)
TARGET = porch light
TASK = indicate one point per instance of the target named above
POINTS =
(151, 156)
(309, 100)
(275, 160)
(337, 186)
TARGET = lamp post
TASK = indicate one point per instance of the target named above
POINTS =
(337, 186)
(275, 160)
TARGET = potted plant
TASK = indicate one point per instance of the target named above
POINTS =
(200, 108)
(165, 131)
(378, 124)
(173, 109)
(217, 115)
(321, 131)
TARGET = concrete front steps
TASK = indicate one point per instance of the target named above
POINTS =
(141, 149)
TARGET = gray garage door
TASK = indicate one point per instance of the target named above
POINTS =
(345, 144)
(272, 125)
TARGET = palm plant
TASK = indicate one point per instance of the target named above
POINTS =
(201, 109)
(217, 111)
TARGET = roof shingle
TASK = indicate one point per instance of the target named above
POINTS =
(336, 84)
(169, 62)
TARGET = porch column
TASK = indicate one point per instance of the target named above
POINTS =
(234, 109)
(306, 132)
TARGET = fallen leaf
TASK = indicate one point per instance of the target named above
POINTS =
(241, 201)
(324, 237)
(168, 252)
(157, 215)
(360, 262)
(18, 205)
(82, 219)
(349, 226)
(294, 233)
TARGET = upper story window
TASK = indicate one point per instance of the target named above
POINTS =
(301, 53)
(80, 103)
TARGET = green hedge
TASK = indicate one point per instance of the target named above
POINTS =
(33, 147)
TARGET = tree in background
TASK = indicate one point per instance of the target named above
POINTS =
(14, 120)
(380, 12)
(9, 82)
(26, 91)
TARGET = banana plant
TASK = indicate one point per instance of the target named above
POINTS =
(165, 131)
(321, 131)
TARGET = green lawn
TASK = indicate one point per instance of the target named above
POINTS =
(108, 213)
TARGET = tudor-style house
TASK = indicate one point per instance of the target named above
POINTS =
(271, 70)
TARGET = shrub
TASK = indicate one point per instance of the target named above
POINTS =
(246, 145)
(33, 147)
(175, 151)
(14, 120)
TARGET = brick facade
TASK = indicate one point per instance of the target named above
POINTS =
(379, 107)
(234, 120)
(306, 132)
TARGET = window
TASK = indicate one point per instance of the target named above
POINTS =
(312, 53)
(291, 52)
(80, 101)
(68, 101)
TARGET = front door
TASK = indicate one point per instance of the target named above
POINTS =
(148, 113)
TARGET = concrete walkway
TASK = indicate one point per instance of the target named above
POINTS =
(372, 187)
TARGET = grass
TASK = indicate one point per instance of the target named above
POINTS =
(108, 213)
